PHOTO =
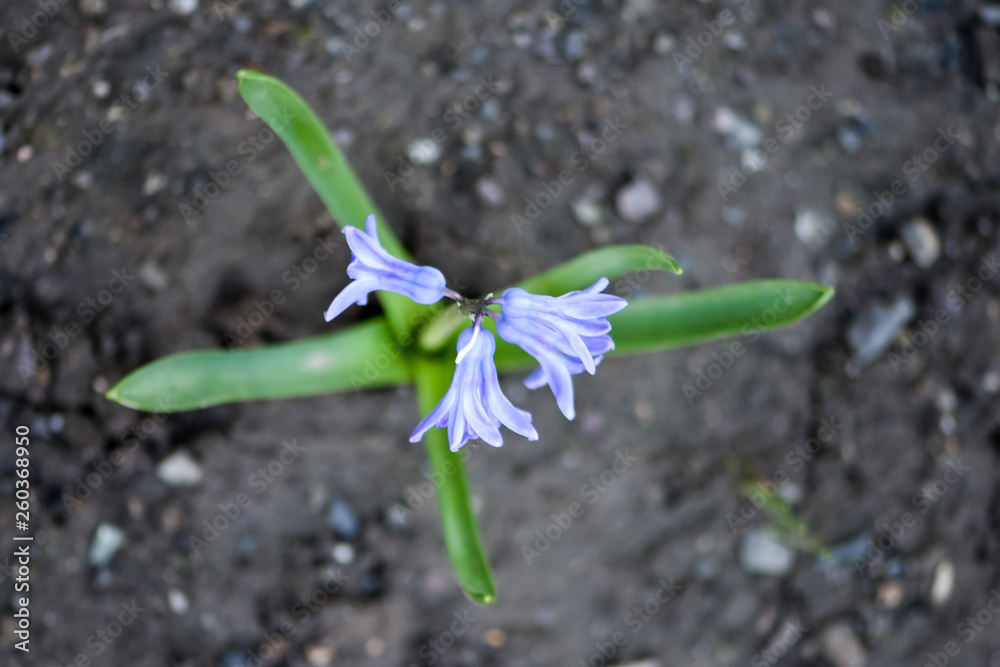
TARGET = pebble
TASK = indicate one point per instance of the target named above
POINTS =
(743, 132)
(664, 43)
(100, 89)
(944, 582)
(874, 329)
(108, 539)
(154, 183)
(841, 646)
(183, 7)
(343, 553)
(637, 201)
(93, 7)
(890, 594)
(179, 469)
(234, 659)
(849, 138)
(490, 192)
(177, 600)
(343, 519)
(991, 382)
(922, 242)
(763, 553)
(588, 213)
(319, 655)
(424, 151)
(576, 43)
(812, 228)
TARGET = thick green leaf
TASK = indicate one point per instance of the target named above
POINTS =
(327, 169)
(578, 273)
(676, 320)
(363, 356)
(610, 262)
(458, 522)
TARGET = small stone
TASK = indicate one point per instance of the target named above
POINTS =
(990, 15)
(890, 594)
(874, 329)
(763, 553)
(424, 151)
(664, 43)
(153, 277)
(740, 130)
(495, 637)
(490, 192)
(343, 520)
(638, 9)
(154, 183)
(922, 242)
(991, 382)
(637, 201)
(24, 153)
(576, 43)
(734, 41)
(93, 7)
(107, 540)
(343, 553)
(183, 7)
(588, 213)
(944, 582)
(178, 601)
(319, 655)
(733, 216)
(849, 138)
(841, 646)
(812, 228)
(100, 89)
(179, 469)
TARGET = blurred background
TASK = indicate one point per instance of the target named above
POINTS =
(144, 211)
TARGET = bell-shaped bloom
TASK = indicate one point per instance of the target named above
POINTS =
(567, 334)
(372, 268)
(474, 406)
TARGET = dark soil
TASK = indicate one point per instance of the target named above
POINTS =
(112, 230)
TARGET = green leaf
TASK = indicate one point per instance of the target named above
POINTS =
(670, 321)
(578, 273)
(458, 522)
(610, 262)
(318, 365)
(327, 170)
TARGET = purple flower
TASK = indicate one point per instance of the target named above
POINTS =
(474, 406)
(372, 268)
(566, 334)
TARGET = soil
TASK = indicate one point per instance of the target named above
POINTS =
(137, 103)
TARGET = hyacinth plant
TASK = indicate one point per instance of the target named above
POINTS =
(556, 324)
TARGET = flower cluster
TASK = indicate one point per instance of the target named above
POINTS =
(566, 334)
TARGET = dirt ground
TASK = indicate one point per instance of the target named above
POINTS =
(876, 418)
